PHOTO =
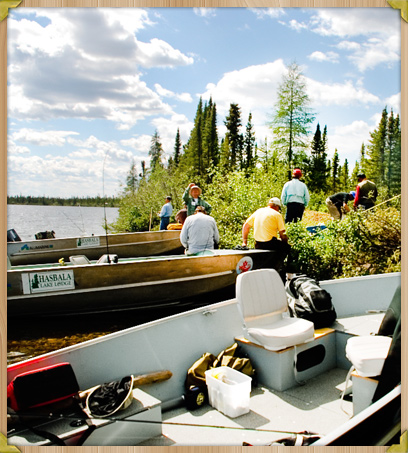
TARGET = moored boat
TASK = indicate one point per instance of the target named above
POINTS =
(146, 243)
(132, 283)
(296, 399)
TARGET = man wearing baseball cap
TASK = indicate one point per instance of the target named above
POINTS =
(366, 193)
(192, 199)
(295, 197)
(267, 224)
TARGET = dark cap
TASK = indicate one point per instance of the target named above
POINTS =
(361, 175)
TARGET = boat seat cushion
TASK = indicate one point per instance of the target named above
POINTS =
(283, 334)
(368, 353)
(78, 260)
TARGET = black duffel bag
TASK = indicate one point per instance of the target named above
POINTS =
(307, 300)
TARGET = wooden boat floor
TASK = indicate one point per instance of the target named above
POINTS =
(315, 406)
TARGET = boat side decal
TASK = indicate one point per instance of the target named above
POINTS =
(39, 282)
(93, 241)
(27, 247)
(244, 264)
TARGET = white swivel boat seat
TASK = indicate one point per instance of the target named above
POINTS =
(368, 353)
(262, 300)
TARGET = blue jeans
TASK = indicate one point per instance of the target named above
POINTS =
(164, 221)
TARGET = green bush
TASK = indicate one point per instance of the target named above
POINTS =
(364, 243)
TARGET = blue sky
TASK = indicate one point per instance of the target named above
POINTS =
(90, 83)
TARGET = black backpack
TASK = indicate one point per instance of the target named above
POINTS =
(307, 300)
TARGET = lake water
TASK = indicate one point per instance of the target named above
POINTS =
(66, 221)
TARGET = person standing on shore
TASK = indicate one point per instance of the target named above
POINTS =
(337, 204)
(295, 197)
(192, 199)
(165, 213)
(366, 193)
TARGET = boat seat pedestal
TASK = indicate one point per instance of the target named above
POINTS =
(278, 369)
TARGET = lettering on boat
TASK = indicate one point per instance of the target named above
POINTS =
(38, 282)
(244, 264)
(35, 247)
(88, 242)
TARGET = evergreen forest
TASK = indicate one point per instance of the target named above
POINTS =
(239, 175)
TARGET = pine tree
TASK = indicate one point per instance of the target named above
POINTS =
(249, 145)
(210, 136)
(317, 167)
(155, 152)
(235, 138)
(194, 147)
(292, 118)
(335, 172)
(376, 151)
(177, 149)
(394, 155)
(131, 178)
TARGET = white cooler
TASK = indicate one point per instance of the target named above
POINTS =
(228, 390)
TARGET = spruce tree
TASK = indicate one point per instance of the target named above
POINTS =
(155, 152)
(235, 138)
(335, 172)
(131, 178)
(249, 145)
(317, 167)
(376, 151)
(177, 149)
(293, 117)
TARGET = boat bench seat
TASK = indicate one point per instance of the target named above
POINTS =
(283, 369)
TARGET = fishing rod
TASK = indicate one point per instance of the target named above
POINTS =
(104, 205)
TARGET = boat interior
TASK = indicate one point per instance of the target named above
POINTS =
(306, 386)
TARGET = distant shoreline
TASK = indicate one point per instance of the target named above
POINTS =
(111, 202)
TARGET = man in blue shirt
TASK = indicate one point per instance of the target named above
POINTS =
(295, 197)
(165, 214)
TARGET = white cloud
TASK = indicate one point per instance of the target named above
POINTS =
(42, 138)
(347, 139)
(251, 87)
(346, 22)
(394, 103)
(345, 94)
(163, 92)
(272, 13)
(205, 12)
(331, 57)
(67, 69)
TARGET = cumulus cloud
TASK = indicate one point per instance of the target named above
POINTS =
(331, 57)
(205, 12)
(67, 69)
(344, 94)
(42, 138)
(271, 13)
(347, 139)
(163, 92)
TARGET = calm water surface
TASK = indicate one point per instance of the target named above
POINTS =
(66, 221)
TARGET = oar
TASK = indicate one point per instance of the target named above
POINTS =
(141, 379)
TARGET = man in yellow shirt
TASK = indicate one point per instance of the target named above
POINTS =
(267, 224)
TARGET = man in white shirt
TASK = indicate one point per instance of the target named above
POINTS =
(199, 232)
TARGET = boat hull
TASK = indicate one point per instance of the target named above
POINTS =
(150, 243)
(130, 284)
